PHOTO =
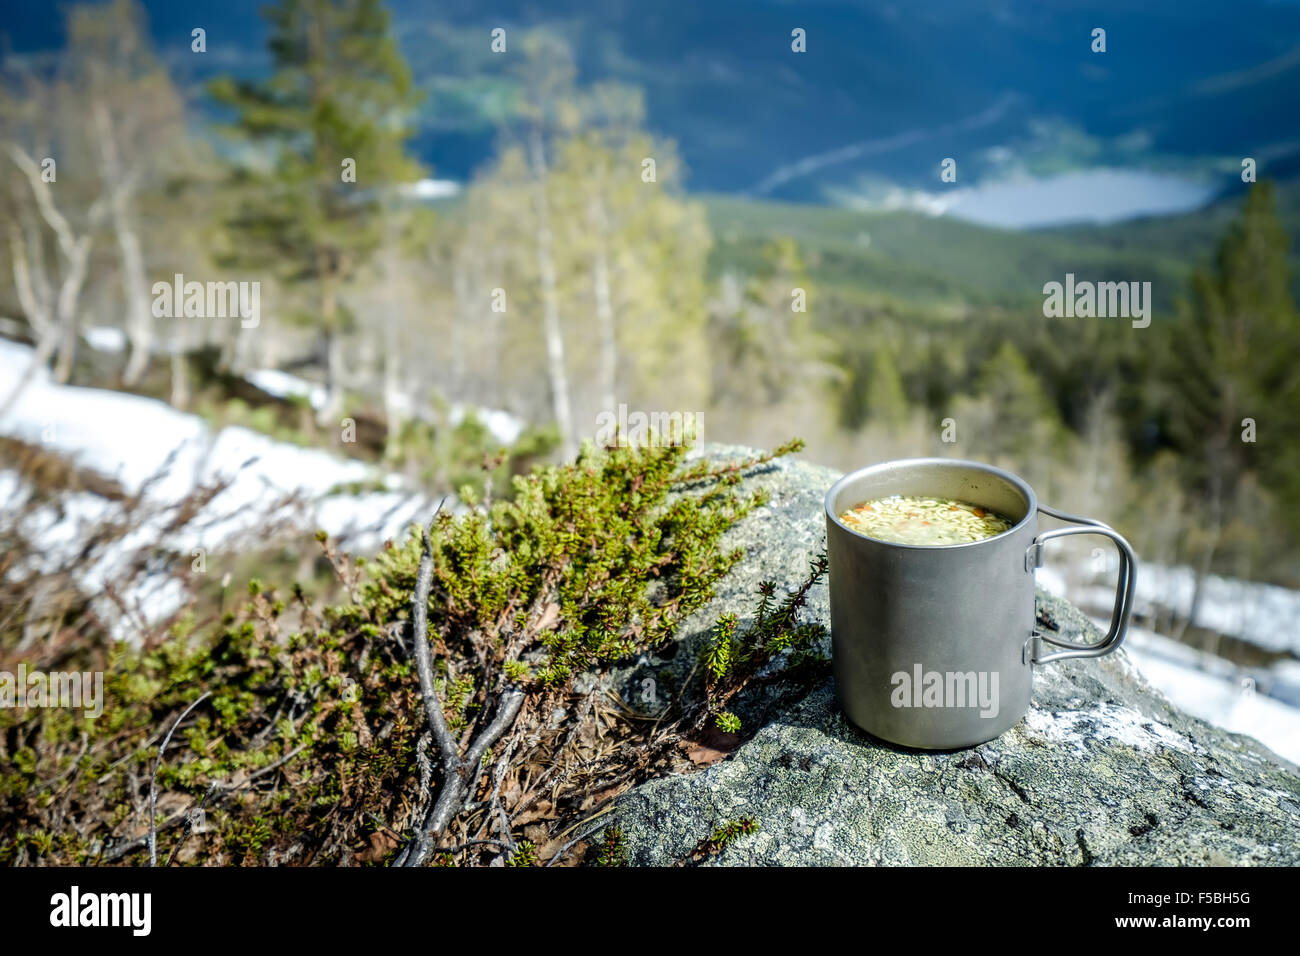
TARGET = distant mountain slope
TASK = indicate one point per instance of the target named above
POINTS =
(909, 257)
(889, 89)
(883, 93)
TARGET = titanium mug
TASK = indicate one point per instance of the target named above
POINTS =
(933, 647)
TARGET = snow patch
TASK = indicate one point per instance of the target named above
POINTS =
(1051, 580)
(431, 189)
(150, 447)
(284, 385)
(105, 338)
(503, 426)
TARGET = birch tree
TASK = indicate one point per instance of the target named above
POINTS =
(639, 251)
(603, 268)
(550, 112)
(51, 225)
(137, 120)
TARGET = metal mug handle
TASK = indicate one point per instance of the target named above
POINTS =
(1124, 586)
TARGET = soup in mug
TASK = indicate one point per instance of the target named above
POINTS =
(908, 519)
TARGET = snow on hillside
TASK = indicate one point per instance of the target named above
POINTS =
(1265, 615)
(1212, 689)
(132, 439)
(1259, 702)
(502, 425)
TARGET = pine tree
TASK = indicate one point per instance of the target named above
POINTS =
(1231, 357)
(886, 401)
(1019, 399)
(338, 102)
(1011, 420)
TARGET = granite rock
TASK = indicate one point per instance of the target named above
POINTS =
(1102, 771)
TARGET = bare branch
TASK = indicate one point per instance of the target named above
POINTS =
(189, 824)
(269, 768)
(424, 656)
(469, 843)
(458, 785)
(36, 309)
(218, 790)
(558, 854)
(41, 193)
(511, 701)
(130, 846)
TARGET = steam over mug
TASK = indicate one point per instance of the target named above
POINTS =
(934, 646)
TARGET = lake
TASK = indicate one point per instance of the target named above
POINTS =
(1088, 195)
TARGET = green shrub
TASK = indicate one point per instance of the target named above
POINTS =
(314, 744)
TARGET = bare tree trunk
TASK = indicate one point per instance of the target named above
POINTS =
(242, 358)
(272, 347)
(333, 405)
(74, 253)
(366, 353)
(139, 322)
(457, 351)
(66, 315)
(1207, 556)
(551, 328)
(34, 298)
(393, 417)
(67, 353)
(31, 284)
(44, 349)
(180, 396)
(604, 308)
(139, 317)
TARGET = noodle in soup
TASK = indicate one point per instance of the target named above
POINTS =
(909, 519)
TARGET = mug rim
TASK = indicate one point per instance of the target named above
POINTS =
(1013, 479)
